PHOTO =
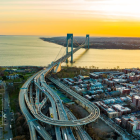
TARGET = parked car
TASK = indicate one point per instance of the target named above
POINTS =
(38, 127)
(10, 126)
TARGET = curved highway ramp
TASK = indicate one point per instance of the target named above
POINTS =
(35, 96)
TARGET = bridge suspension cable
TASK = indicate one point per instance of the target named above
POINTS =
(63, 45)
(76, 42)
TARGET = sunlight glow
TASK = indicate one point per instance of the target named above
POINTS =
(52, 17)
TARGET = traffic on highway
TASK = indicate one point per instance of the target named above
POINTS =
(35, 95)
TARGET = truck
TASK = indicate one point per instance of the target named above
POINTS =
(51, 115)
(65, 136)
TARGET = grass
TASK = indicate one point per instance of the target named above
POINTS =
(14, 80)
(1, 109)
(1, 90)
(14, 93)
(60, 94)
(70, 72)
(5, 132)
(0, 103)
(27, 76)
(14, 98)
(0, 121)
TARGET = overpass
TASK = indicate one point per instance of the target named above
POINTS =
(35, 95)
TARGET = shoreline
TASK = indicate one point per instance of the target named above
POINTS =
(72, 67)
(101, 45)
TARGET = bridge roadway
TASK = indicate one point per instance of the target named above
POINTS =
(38, 114)
(60, 109)
(38, 110)
(93, 108)
(31, 111)
(83, 135)
(94, 111)
(32, 124)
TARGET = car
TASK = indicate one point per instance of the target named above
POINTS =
(70, 132)
(4, 116)
(12, 113)
(10, 126)
(38, 127)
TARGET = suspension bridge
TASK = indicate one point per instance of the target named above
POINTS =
(35, 95)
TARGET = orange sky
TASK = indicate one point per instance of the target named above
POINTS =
(80, 17)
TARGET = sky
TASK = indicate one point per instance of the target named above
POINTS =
(80, 17)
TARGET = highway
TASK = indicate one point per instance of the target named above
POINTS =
(116, 128)
(32, 124)
(6, 107)
(83, 135)
(31, 106)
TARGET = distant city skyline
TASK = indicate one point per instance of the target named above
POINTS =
(59, 17)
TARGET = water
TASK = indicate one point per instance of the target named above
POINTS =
(32, 51)
(26, 50)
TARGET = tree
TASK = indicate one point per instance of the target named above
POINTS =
(21, 76)
(4, 78)
(118, 67)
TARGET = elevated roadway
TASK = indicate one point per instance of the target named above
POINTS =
(82, 134)
(32, 124)
(32, 109)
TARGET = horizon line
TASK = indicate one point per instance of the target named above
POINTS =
(77, 36)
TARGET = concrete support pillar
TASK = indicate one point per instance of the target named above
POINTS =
(67, 49)
(87, 40)
(72, 98)
(67, 94)
(84, 127)
(69, 36)
(41, 95)
(96, 120)
(57, 68)
(30, 92)
(72, 49)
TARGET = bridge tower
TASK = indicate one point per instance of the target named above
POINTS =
(69, 37)
(87, 40)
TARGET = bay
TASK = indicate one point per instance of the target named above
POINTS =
(32, 51)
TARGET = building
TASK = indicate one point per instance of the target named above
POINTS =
(122, 110)
(118, 121)
(136, 100)
(111, 113)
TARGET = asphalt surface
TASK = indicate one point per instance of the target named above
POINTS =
(9, 134)
(116, 128)
(83, 135)
(35, 109)
(33, 125)
(1, 133)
